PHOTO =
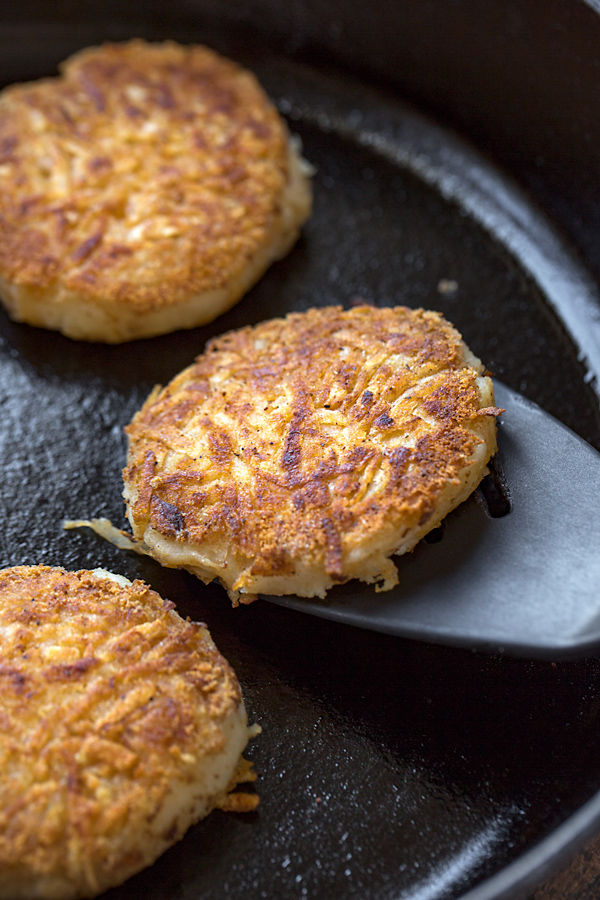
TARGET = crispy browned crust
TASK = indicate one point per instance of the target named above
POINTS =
(146, 173)
(306, 439)
(240, 801)
(108, 698)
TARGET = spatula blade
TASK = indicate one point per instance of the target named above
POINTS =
(527, 583)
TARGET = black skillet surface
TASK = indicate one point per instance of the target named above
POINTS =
(388, 768)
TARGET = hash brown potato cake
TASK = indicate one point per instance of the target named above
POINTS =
(306, 451)
(144, 190)
(120, 726)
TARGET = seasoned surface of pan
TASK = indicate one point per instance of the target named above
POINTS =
(388, 768)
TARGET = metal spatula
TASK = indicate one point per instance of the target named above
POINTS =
(516, 568)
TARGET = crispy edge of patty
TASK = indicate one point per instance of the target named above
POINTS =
(304, 550)
(121, 726)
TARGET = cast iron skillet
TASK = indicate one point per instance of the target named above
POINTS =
(389, 768)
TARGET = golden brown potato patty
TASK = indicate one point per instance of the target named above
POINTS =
(306, 451)
(144, 190)
(120, 725)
